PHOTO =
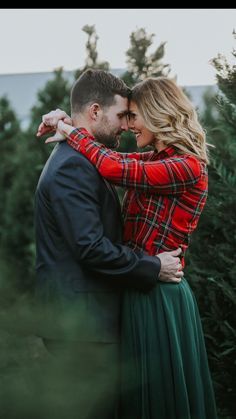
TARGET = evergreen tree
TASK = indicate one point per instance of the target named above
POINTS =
(92, 54)
(140, 64)
(212, 253)
(9, 137)
(18, 239)
(55, 94)
(209, 114)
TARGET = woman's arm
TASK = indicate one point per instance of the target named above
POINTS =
(173, 175)
(137, 156)
(49, 125)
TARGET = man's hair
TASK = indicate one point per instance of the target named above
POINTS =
(96, 86)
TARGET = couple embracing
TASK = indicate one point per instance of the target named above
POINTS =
(118, 311)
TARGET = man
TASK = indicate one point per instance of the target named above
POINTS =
(81, 266)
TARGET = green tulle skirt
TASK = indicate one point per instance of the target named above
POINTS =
(165, 372)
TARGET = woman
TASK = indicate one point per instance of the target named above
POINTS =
(165, 370)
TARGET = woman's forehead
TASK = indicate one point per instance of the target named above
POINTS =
(132, 106)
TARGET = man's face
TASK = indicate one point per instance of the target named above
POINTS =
(112, 122)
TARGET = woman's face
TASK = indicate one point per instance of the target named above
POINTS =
(144, 137)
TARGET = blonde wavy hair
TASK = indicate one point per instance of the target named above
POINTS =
(169, 114)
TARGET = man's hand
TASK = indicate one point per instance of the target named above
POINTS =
(171, 268)
(50, 121)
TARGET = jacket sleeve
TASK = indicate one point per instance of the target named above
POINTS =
(74, 193)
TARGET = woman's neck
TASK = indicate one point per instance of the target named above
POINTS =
(159, 146)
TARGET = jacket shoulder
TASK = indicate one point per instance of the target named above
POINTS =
(64, 156)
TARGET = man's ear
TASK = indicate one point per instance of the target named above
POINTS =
(94, 111)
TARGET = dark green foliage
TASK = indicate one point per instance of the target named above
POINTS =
(127, 142)
(141, 65)
(226, 75)
(30, 156)
(9, 139)
(55, 94)
(92, 54)
(211, 259)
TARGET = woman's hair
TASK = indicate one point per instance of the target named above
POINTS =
(169, 114)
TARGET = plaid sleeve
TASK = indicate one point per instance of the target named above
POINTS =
(137, 156)
(172, 175)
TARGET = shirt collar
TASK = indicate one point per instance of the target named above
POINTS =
(169, 151)
(84, 133)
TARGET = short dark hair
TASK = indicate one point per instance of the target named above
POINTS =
(96, 86)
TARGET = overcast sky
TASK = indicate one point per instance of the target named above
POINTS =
(35, 40)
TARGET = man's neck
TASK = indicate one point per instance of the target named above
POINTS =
(81, 122)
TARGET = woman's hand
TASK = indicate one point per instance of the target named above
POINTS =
(62, 132)
(49, 124)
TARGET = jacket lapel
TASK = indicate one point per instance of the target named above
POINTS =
(112, 190)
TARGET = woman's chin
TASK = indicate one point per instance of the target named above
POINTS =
(141, 144)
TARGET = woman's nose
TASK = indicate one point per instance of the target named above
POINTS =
(124, 124)
(130, 123)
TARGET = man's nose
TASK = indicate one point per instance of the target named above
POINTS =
(124, 124)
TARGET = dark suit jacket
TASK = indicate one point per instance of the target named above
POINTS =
(81, 265)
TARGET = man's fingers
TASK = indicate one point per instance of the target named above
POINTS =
(179, 274)
(176, 252)
(174, 279)
(178, 280)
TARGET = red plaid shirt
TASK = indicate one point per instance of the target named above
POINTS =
(166, 192)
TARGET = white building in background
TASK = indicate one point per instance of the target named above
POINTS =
(22, 89)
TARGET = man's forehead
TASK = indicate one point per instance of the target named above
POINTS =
(121, 104)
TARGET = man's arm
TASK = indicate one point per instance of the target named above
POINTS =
(76, 203)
